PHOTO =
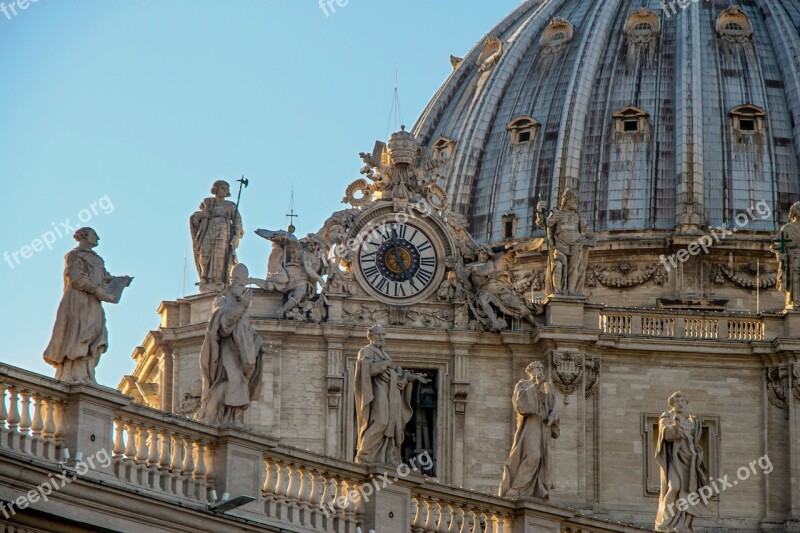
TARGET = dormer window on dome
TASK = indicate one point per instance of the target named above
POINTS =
(748, 119)
(523, 129)
(443, 148)
(509, 226)
(642, 26)
(630, 120)
(557, 35)
(734, 26)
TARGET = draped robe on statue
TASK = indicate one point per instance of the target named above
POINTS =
(383, 407)
(528, 471)
(79, 334)
(680, 457)
(230, 362)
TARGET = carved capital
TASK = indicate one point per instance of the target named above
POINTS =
(778, 385)
(335, 386)
(460, 393)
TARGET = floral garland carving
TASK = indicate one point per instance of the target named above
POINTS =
(625, 275)
(745, 278)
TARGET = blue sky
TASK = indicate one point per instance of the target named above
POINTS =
(138, 106)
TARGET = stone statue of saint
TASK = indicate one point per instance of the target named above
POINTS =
(528, 471)
(680, 457)
(570, 239)
(787, 248)
(231, 357)
(216, 230)
(79, 335)
(383, 402)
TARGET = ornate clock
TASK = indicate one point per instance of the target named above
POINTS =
(400, 263)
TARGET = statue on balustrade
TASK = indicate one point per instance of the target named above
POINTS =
(79, 334)
(383, 402)
(787, 248)
(683, 473)
(216, 230)
(528, 471)
(569, 239)
(232, 355)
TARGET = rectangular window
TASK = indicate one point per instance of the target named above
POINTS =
(630, 125)
(747, 124)
(524, 136)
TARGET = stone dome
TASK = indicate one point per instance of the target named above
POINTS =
(667, 120)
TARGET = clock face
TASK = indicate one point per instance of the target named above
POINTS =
(398, 261)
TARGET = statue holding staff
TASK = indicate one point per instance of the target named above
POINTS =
(216, 230)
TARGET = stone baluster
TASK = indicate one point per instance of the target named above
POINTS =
(141, 455)
(475, 521)
(447, 517)
(418, 523)
(58, 417)
(340, 497)
(304, 495)
(327, 501)
(357, 503)
(211, 467)
(118, 452)
(188, 467)
(281, 483)
(494, 523)
(314, 497)
(430, 515)
(13, 418)
(268, 490)
(175, 466)
(164, 460)
(152, 457)
(463, 527)
(25, 422)
(37, 425)
(129, 471)
(48, 432)
(3, 416)
(292, 493)
(199, 474)
(455, 511)
(508, 523)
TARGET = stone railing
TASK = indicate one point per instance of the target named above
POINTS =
(681, 324)
(186, 464)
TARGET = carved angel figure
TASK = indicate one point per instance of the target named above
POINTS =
(295, 268)
(494, 294)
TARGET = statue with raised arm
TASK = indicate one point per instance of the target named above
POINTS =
(569, 239)
(494, 294)
(79, 334)
(231, 357)
(787, 250)
(528, 471)
(683, 473)
(383, 402)
(216, 230)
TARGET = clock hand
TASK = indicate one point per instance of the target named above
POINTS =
(399, 259)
